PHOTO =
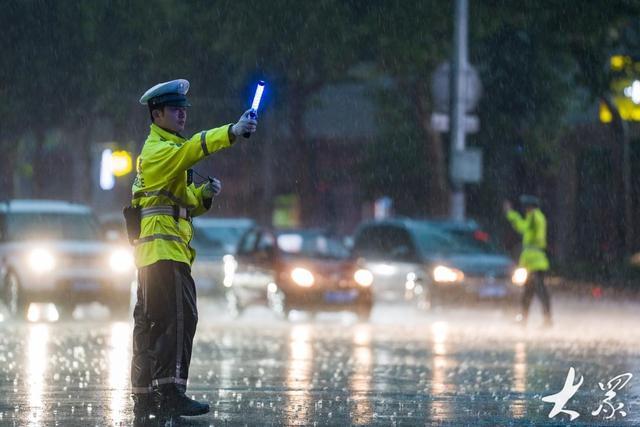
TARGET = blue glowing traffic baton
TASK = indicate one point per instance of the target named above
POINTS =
(256, 103)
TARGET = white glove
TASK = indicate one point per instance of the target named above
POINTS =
(247, 124)
(212, 188)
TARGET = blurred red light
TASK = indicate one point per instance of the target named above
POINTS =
(596, 292)
(481, 235)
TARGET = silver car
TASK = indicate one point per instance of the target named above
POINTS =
(213, 239)
(430, 262)
(53, 251)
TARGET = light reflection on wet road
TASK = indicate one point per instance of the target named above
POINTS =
(460, 366)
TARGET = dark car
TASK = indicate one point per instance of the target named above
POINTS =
(429, 262)
(296, 270)
(213, 240)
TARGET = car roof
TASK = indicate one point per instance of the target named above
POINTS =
(43, 206)
(307, 231)
(223, 222)
(436, 224)
(397, 222)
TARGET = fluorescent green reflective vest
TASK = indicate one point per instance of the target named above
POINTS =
(162, 181)
(533, 228)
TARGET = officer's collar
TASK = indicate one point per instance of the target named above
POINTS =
(165, 134)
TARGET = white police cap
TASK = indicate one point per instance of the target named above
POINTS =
(529, 200)
(167, 93)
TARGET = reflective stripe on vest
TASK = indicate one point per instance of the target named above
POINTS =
(169, 380)
(203, 142)
(165, 210)
(158, 236)
(164, 193)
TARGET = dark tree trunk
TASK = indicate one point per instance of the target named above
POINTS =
(80, 157)
(7, 168)
(625, 203)
(39, 164)
(437, 184)
(304, 159)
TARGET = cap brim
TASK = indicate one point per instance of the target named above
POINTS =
(170, 99)
(183, 103)
(529, 200)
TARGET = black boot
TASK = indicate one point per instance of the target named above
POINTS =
(143, 405)
(171, 400)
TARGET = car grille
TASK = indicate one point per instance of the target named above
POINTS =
(481, 279)
(334, 281)
(84, 261)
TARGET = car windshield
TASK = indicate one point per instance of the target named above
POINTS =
(476, 241)
(52, 226)
(217, 240)
(436, 242)
(314, 245)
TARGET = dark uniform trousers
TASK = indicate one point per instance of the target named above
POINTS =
(165, 318)
(535, 284)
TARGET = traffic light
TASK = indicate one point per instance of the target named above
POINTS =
(113, 164)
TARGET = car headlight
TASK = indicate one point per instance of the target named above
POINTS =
(230, 265)
(121, 261)
(442, 274)
(410, 284)
(384, 269)
(41, 260)
(363, 277)
(302, 277)
(519, 276)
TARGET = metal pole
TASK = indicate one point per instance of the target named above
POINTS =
(621, 131)
(458, 91)
(629, 231)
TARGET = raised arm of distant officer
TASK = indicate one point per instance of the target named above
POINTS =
(518, 223)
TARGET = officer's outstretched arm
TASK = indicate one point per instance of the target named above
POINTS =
(171, 160)
(517, 222)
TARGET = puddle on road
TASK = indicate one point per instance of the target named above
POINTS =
(405, 367)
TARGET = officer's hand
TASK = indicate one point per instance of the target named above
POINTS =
(247, 123)
(212, 188)
(506, 206)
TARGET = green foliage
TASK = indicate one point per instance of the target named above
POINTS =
(405, 40)
(526, 88)
(297, 45)
(67, 64)
(541, 63)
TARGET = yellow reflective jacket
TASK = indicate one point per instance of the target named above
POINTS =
(161, 180)
(533, 228)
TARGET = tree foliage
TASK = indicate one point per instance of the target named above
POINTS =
(68, 65)
(536, 60)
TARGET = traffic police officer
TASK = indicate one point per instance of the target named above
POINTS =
(165, 314)
(533, 228)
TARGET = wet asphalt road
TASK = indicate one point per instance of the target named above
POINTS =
(463, 366)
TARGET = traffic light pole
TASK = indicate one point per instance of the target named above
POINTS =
(457, 110)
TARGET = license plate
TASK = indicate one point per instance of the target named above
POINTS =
(86, 286)
(341, 297)
(492, 291)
